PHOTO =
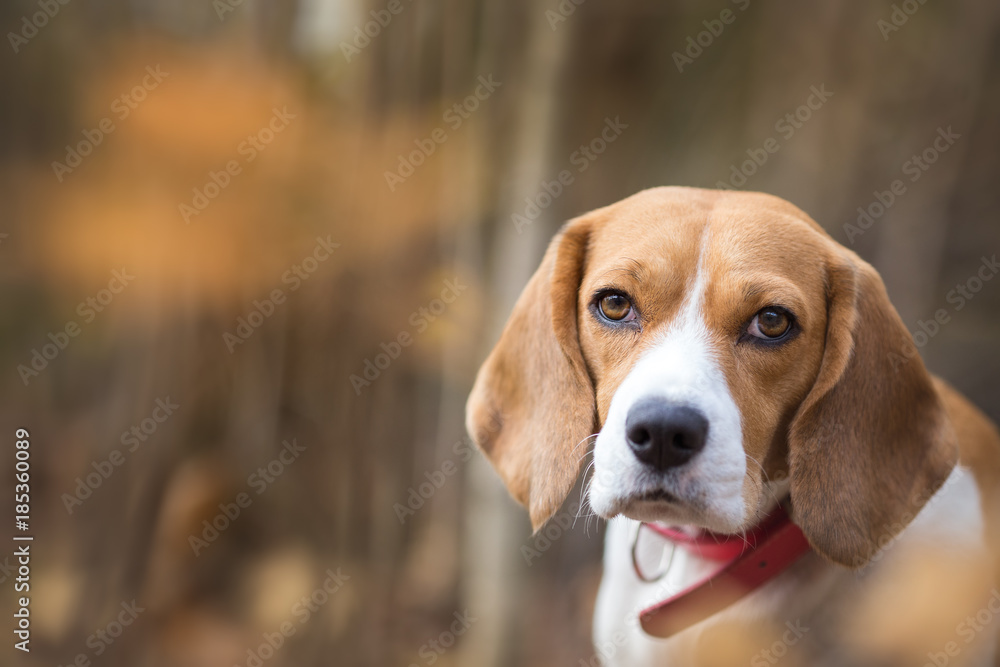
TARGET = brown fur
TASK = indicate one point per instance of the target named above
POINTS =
(869, 445)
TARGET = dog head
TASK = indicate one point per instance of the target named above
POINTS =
(725, 351)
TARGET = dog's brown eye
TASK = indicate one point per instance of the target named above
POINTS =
(616, 307)
(770, 323)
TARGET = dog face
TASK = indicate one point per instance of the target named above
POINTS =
(724, 349)
(696, 384)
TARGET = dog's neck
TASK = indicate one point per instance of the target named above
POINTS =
(745, 562)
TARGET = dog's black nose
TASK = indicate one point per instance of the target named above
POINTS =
(663, 435)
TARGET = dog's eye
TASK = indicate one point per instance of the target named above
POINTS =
(770, 323)
(616, 307)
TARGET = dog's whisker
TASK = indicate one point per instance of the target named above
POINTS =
(762, 484)
(590, 516)
(583, 492)
(577, 446)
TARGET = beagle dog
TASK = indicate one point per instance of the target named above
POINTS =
(727, 358)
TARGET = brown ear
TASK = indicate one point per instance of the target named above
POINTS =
(533, 401)
(871, 442)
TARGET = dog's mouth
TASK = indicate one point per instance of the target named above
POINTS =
(657, 504)
(658, 496)
(654, 504)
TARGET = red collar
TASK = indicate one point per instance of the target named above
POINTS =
(747, 563)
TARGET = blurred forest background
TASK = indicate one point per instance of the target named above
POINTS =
(555, 74)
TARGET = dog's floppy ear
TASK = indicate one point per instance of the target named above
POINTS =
(871, 442)
(533, 400)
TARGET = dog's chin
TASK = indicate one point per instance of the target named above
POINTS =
(661, 506)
